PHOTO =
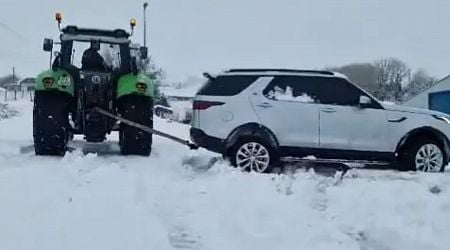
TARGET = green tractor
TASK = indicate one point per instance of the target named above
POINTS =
(66, 95)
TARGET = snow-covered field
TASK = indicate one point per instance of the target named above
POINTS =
(6, 111)
(105, 201)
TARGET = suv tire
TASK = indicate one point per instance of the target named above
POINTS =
(254, 154)
(423, 154)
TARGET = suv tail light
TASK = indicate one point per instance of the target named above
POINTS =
(203, 105)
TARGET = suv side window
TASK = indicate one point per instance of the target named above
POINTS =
(313, 89)
(338, 91)
(227, 85)
(292, 88)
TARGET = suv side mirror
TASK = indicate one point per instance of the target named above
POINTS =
(48, 45)
(144, 52)
(364, 101)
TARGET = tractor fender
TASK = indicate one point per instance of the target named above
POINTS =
(62, 81)
(139, 84)
(251, 130)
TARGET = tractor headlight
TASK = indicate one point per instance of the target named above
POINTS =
(48, 82)
(141, 87)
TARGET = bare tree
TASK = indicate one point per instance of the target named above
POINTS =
(420, 81)
(388, 79)
(392, 75)
(363, 74)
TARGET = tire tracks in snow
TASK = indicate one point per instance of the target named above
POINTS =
(172, 214)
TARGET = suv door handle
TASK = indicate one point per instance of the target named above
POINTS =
(328, 110)
(265, 105)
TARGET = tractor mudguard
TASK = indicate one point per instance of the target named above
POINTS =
(140, 84)
(58, 79)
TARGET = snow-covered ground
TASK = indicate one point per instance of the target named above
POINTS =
(105, 201)
(6, 111)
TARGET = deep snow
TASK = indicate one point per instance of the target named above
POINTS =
(105, 201)
(6, 111)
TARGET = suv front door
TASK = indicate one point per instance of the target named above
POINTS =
(283, 106)
(344, 123)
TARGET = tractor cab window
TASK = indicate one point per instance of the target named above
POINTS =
(111, 55)
(108, 54)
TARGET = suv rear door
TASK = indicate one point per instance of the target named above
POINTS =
(344, 125)
(282, 105)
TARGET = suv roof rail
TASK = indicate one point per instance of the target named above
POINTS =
(323, 72)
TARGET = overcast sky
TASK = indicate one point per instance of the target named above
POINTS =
(188, 37)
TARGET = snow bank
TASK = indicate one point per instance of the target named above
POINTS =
(280, 94)
(6, 112)
(388, 103)
(172, 201)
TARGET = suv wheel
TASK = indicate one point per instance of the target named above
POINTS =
(424, 155)
(253, 154)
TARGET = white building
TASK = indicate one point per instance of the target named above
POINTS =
(27, 84)
(435, 98)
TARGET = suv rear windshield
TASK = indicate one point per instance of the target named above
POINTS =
(226, 85)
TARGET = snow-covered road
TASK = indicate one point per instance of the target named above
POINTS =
(105, 201)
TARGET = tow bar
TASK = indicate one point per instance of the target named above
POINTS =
(146, 129)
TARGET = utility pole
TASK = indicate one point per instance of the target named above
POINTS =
(14, 75)
(145, 24)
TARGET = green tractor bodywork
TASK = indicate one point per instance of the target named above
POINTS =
(51, 80)
(129, 84)
(138, 84)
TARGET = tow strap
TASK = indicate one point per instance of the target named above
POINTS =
(146, 129)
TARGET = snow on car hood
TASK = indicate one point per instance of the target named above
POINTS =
(394, 107)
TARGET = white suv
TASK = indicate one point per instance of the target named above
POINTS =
(260, 117)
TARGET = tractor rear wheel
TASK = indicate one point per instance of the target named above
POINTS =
(51, 128)
(139, 109)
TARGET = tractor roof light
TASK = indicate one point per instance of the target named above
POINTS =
(58, 17)
(132, 24)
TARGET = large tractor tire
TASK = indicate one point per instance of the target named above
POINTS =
(139, 109)
(51, 128)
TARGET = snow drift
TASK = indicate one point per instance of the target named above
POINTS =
(6, 112)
